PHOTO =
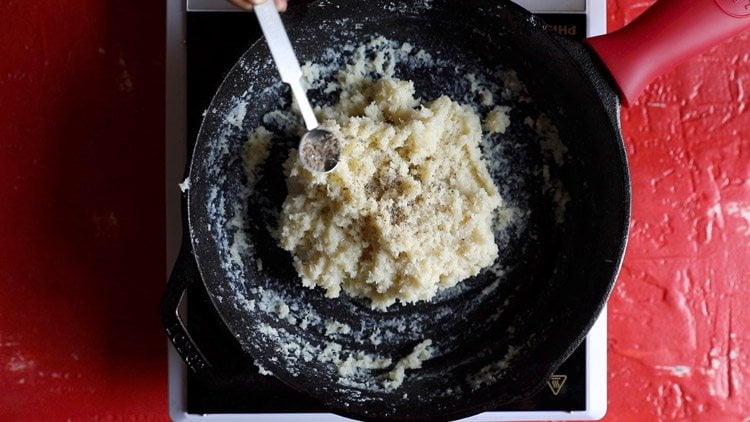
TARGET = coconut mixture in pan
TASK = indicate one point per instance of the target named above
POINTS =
(434, 148)
(410, 208)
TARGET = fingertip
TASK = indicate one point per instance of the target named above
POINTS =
(281, 5)
(243, 4)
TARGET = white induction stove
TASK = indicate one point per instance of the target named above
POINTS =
(586, 384)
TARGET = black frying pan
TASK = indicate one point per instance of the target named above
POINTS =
(499, 336)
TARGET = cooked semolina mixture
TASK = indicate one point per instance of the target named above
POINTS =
(409, 209)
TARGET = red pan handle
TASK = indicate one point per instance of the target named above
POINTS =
(664, 35)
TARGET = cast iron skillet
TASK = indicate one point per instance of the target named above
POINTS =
(499, 336)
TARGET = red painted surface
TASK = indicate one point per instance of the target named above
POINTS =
(81, 210)
(81, 259)
(680, 314)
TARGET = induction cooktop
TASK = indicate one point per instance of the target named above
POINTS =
(204, 39)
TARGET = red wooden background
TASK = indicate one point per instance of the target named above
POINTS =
(81, 224)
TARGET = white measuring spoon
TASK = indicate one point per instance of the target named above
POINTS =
(319, 148)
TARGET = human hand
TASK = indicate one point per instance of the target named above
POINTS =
(248, 4)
